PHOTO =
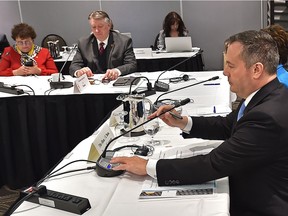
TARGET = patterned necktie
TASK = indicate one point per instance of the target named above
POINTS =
(241, 111)
(101, 48)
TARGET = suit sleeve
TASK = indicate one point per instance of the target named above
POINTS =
(253, 145)
(129, 60)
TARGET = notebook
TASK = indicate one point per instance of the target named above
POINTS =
(178, 44)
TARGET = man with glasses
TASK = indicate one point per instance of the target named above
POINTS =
(104, 51)
(24, 57)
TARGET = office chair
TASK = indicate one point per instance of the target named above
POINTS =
(3, 43)
(53, 37)
(154, 47)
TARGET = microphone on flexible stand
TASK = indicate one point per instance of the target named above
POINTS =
(157, 104)
(162, 86)
(103, 166)
(148, 92)
(63, 84)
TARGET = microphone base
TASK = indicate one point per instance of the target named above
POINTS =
(161, 86)
(61, 85)
(104, 168)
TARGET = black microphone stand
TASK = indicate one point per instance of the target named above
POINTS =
(213, 78)
(103, 166)
(162, 86)
(63, 84)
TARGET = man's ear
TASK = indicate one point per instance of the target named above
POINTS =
(258, 69)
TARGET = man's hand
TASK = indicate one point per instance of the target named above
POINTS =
(85, 70)
(168, 118)
(111, 74)
(134, 164)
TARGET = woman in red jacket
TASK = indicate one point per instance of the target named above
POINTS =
(24, 57)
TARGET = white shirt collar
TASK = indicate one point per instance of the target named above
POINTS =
(105, 42)
(248, 99)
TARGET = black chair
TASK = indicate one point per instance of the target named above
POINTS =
(154, 47)
(53, 37)
(3, 43)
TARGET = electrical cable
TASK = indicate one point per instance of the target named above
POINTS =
(25, 86)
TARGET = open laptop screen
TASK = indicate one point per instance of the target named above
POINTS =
(178, 44)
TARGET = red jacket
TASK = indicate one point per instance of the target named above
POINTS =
(11, 61)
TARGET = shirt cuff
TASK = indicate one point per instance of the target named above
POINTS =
(188, 126)
(151, 168)
(119, 72)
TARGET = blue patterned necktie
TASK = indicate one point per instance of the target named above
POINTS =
(241, 111)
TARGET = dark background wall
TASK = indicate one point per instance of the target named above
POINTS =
(209, 22)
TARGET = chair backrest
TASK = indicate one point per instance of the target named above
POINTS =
(154, 47)
(3, 43)
(53, 37)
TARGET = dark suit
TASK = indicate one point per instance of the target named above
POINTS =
(254, 155)
(119, 54)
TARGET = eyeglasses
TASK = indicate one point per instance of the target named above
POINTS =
(22, 43)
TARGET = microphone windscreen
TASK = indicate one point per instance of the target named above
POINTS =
(185, 101)
(215, 78)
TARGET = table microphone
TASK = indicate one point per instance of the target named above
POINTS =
(157, 104)
(103, 166)
(63, 84)
(148, 92)
(162, 86)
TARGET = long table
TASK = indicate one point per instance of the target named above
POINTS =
(120, 195)
(37, 131)
(154, 62)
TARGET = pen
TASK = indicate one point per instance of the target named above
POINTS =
(214, 109)
(207, 84)
(175, 115)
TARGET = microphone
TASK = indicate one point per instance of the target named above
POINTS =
(148, 92)
(156, 104)
(103, 166)
(63, 84)
(162, 86)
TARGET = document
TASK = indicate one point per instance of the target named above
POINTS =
(151, 190)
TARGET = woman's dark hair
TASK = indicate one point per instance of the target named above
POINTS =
(280, 36)
(170, 19)
(23, 30)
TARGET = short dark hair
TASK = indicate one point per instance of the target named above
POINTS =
(23, 30)
(258, 46)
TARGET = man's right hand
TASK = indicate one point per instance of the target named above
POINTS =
(85, 70)
(168, 118)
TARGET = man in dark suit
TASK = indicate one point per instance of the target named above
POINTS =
(103, 51)
(254, 154)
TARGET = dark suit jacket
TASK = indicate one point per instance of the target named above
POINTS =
(119, 52)
(254, 155)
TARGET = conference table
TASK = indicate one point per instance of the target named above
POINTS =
(150, 61)
(120, 195)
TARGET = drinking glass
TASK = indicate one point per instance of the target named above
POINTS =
(151, 128)
(121, 126)
(65, 49)
(160, 45)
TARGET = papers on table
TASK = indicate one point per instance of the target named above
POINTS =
(151, 190)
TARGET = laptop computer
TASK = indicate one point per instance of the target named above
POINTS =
(178, 44)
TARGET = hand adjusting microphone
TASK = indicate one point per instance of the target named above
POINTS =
(103, 166)
(162, 86)
(63, 84)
